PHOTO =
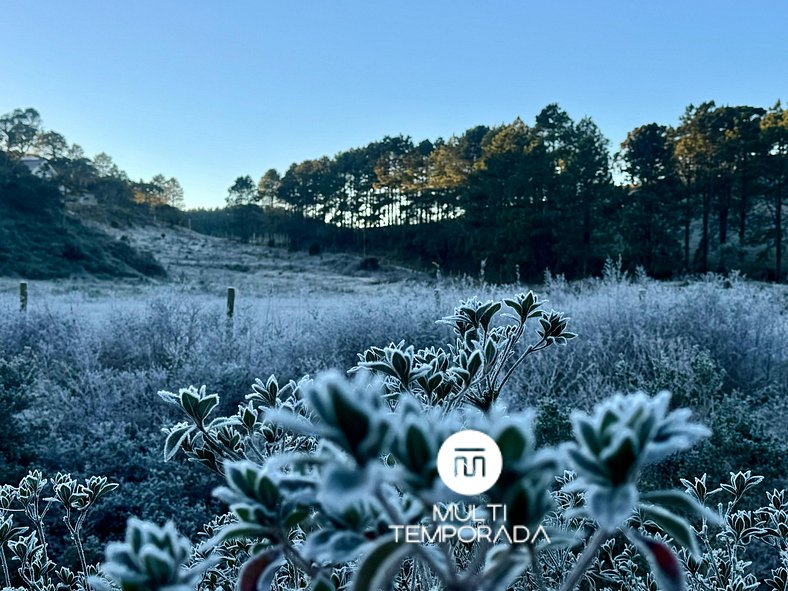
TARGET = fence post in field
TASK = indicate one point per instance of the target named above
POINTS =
(230, 310)
(23, 296)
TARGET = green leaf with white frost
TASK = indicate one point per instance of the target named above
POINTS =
(681, 501)
(378, 566)
(175, 437)
(673, 525)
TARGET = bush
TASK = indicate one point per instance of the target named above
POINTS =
(308, 490)
(720, 350)
(369, 264)
(17, 422)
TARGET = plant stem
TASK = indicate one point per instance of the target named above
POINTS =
(83, 562)
(74, 529)
(299, 560)
(537, 567)
(434, 565)
(508, 352)
(5, 567)
(583, 562)
(39, 525)
(220, 449)
(528, 351)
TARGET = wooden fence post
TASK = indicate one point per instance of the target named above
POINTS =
(230, 310)
(23, 296)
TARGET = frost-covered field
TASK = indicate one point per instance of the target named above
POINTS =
(699, 340)
(88, 359)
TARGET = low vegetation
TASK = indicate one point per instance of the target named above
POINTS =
(717, 345)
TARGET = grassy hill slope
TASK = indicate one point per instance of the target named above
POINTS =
(40, 240)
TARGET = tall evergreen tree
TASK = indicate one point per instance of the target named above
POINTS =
(241, 192)
(268, 187)
(774, 128)
(651, 214)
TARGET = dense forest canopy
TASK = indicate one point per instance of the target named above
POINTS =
(704, 195)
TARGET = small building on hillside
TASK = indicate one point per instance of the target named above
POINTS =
(38, 166)
(43, 169)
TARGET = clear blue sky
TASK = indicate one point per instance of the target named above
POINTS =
(207, 91)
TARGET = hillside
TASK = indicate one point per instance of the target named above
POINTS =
(204, 262)
(40, 239)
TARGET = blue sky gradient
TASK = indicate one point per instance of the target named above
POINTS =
(207, 91)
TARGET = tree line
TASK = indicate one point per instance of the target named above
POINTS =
(22, 135)
(704, 195)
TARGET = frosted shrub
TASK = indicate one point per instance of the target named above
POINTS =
(477, 367)
(151, 557)
(329, 511)
(29, 503)
(323, 478)
(321, 475)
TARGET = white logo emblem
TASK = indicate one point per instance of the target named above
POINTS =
(469, 462)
